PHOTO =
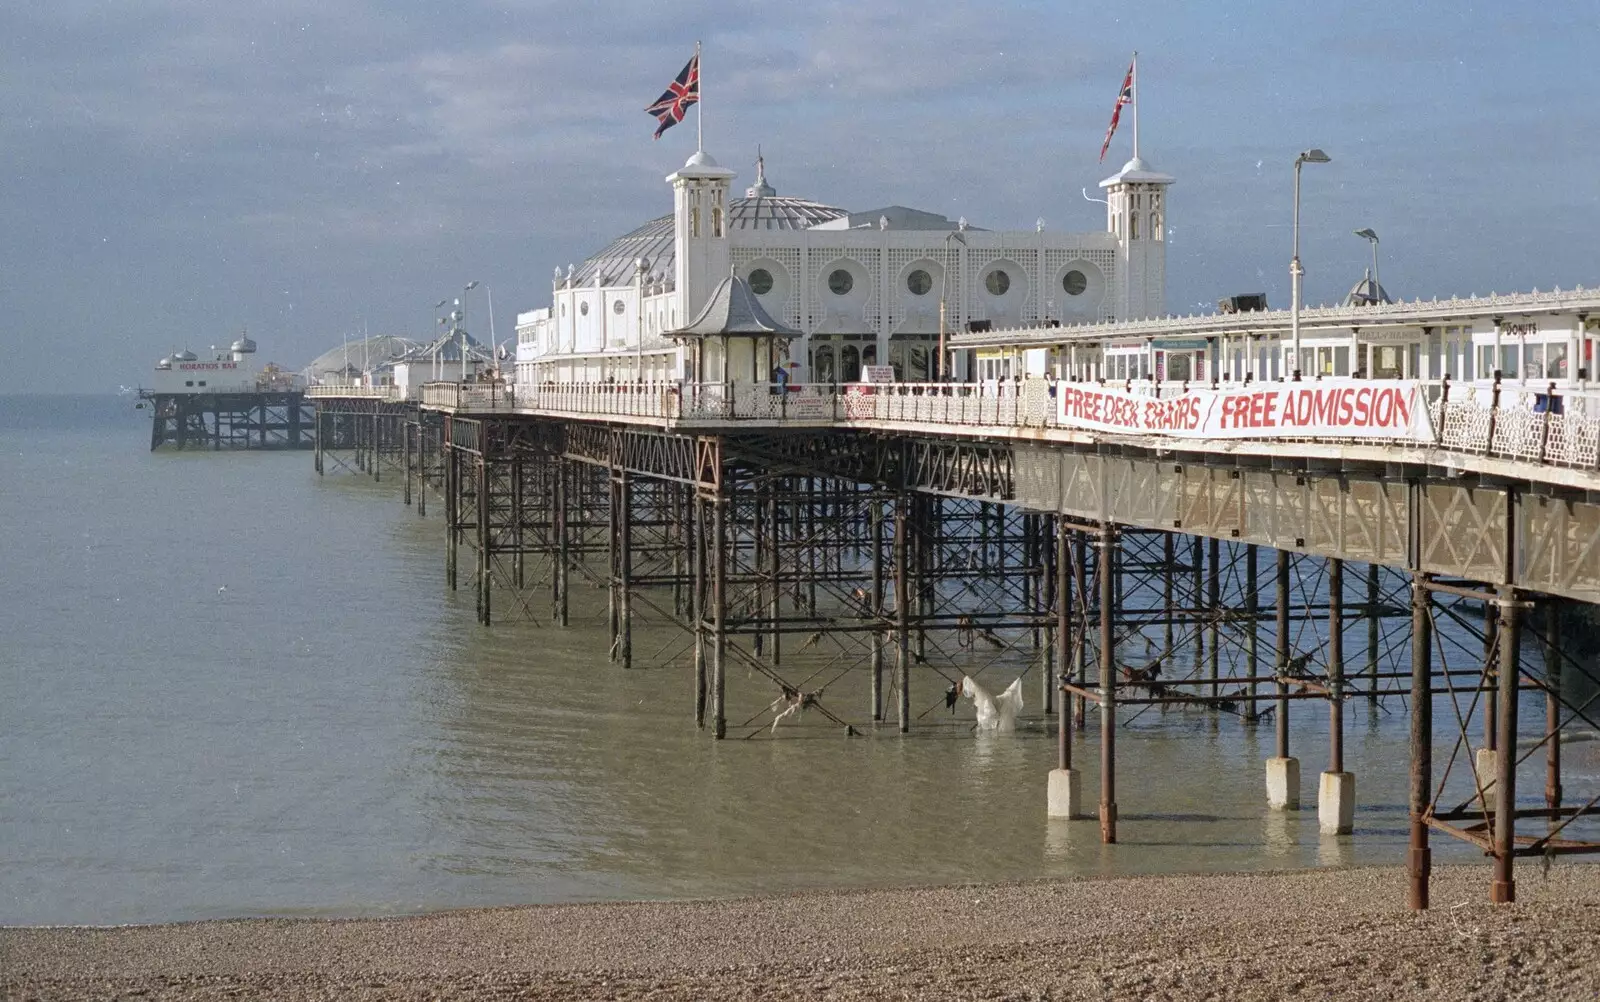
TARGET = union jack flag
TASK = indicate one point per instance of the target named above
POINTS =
(1124, 96)
(680, 94)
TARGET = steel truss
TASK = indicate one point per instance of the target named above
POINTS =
(857, 578)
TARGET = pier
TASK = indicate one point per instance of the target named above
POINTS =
(902, 526)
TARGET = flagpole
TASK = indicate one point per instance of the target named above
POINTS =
(1135, 103)
(699, 102)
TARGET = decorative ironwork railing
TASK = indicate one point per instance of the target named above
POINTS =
(1550, 424)
(325, 390)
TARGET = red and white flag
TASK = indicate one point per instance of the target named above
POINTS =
(1124, 96)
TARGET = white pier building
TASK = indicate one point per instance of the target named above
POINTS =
(864, 288)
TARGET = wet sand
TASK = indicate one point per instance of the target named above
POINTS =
(1323, 934)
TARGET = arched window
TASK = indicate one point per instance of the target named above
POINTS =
(716, 221)
(694, 221)
(1155, 226)
(1133, 226)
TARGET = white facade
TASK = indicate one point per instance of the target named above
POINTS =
(864, 288)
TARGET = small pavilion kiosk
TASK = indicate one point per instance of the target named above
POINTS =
(734, 345)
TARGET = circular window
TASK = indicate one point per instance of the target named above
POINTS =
(919, 282)
(1074, 283)
(583, 307)
(840, 282)
(997, 282)
(761, 281)
(617, 307)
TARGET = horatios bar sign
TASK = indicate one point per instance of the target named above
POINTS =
(1328, 408)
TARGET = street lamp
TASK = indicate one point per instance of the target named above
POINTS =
(437, 321)
(944, 284)
(1311, 156)
(1377, 286)
(462, 330)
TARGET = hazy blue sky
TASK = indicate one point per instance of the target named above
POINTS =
(177, 169)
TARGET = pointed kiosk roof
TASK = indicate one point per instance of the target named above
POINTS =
(733, 311)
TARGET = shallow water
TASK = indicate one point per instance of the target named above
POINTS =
(234, 688)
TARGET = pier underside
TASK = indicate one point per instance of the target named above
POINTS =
(230, 420)
(849, 582)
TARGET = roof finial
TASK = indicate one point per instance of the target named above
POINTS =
(761, 189)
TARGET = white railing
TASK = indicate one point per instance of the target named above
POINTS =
(470, 396)
(1554, 424)
(353, 391)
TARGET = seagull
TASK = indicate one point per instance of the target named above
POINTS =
(221, 589)
(995, 713)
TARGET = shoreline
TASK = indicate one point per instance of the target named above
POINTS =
(1270, 934)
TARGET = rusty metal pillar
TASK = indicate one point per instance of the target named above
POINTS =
(1063, 640)
(422, 468)
(1214, 610)
(1372, 634)
(1108, 689)
(625, 568)
(1049, 550)
(1419, 861)
(405, 459)
(1169, 572)
(483, 536)
(1198, 562)
(1080, 569)
(1281, 654)
(697, 601)
(1336, 665)
(876, 610)
(452, 512)
(1504, 888)
(1552, 707)
(775, 568)
(1252, 645)
(613, 563)
(757, 600)
(719, 615)
(902, 609)
(558, 580)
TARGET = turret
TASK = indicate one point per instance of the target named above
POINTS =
(700, 229)
(1136, 212)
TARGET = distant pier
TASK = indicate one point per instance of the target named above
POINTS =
(231, 420)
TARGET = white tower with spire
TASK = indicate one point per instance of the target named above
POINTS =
(1136, 213)
(700, 230)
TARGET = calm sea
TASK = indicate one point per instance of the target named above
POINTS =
(233, 688)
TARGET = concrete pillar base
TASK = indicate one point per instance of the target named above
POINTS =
(1283, 784)
(1336, 803)
(1487, 761)
(1065, 796)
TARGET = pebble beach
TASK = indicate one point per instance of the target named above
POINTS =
(1322, 934)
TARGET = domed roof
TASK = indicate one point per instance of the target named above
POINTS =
(763, 209)
(350, 358)
(1367, 292)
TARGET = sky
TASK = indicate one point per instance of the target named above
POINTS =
(177, 170)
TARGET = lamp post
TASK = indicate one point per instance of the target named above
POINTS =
(461, 331)
(944, 285)
(1377, 286)
(437, 321)
(1311, 156)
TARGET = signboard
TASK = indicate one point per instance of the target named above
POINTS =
(877, 373)
(206, 366)
(1179, 343)
(1329, 408)
(807, 405)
